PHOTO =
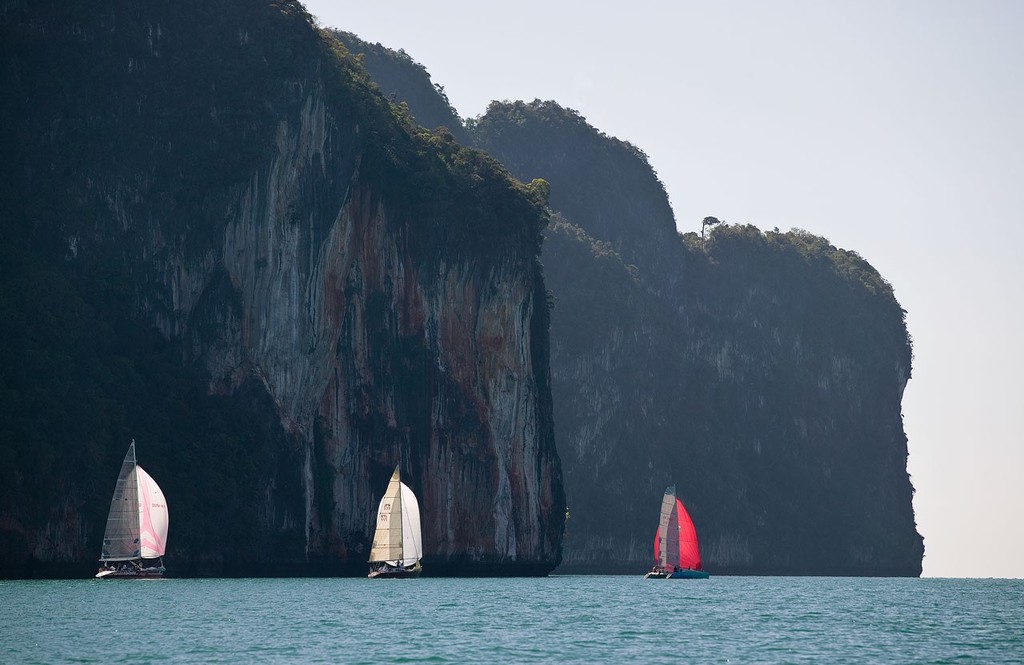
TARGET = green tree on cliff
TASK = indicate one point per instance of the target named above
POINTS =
(708, 221)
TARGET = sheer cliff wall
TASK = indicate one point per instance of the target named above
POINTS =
(354, 291)
(760, 373)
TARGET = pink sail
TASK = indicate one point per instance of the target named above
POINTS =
(153, 519)
(680, 549)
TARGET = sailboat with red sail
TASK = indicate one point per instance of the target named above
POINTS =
(676, 554)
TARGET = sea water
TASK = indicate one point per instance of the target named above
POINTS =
(564, 619)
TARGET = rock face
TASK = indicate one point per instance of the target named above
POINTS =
(358, 292)
(762, 374)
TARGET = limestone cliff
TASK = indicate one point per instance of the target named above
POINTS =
(761, 373)
(333, 289)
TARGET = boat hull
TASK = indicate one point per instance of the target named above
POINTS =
(130, 572)
(685, 574)
(393, 574)
(389, 572)
(130, 575)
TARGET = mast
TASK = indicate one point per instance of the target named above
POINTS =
(401, 522)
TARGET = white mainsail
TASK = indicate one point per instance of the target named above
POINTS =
(668, 530)
(137, 521)
(397, 538)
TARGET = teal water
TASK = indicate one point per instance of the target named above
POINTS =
(565, 619)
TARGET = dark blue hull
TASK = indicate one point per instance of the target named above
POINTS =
(685, 574)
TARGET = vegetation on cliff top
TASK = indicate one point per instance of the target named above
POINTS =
(402, 79)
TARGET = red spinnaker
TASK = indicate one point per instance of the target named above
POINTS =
(681, 524)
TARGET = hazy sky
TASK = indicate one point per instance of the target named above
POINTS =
(895, 129)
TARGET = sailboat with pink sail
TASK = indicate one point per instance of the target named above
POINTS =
(136, 533)
(676, 554)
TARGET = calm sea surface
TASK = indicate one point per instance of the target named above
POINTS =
(586, 619)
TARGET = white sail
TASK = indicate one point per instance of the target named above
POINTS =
(668, 530)
(387, 538)
(153, 518)
(412, 542)
(397, 539)
(121, 538)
